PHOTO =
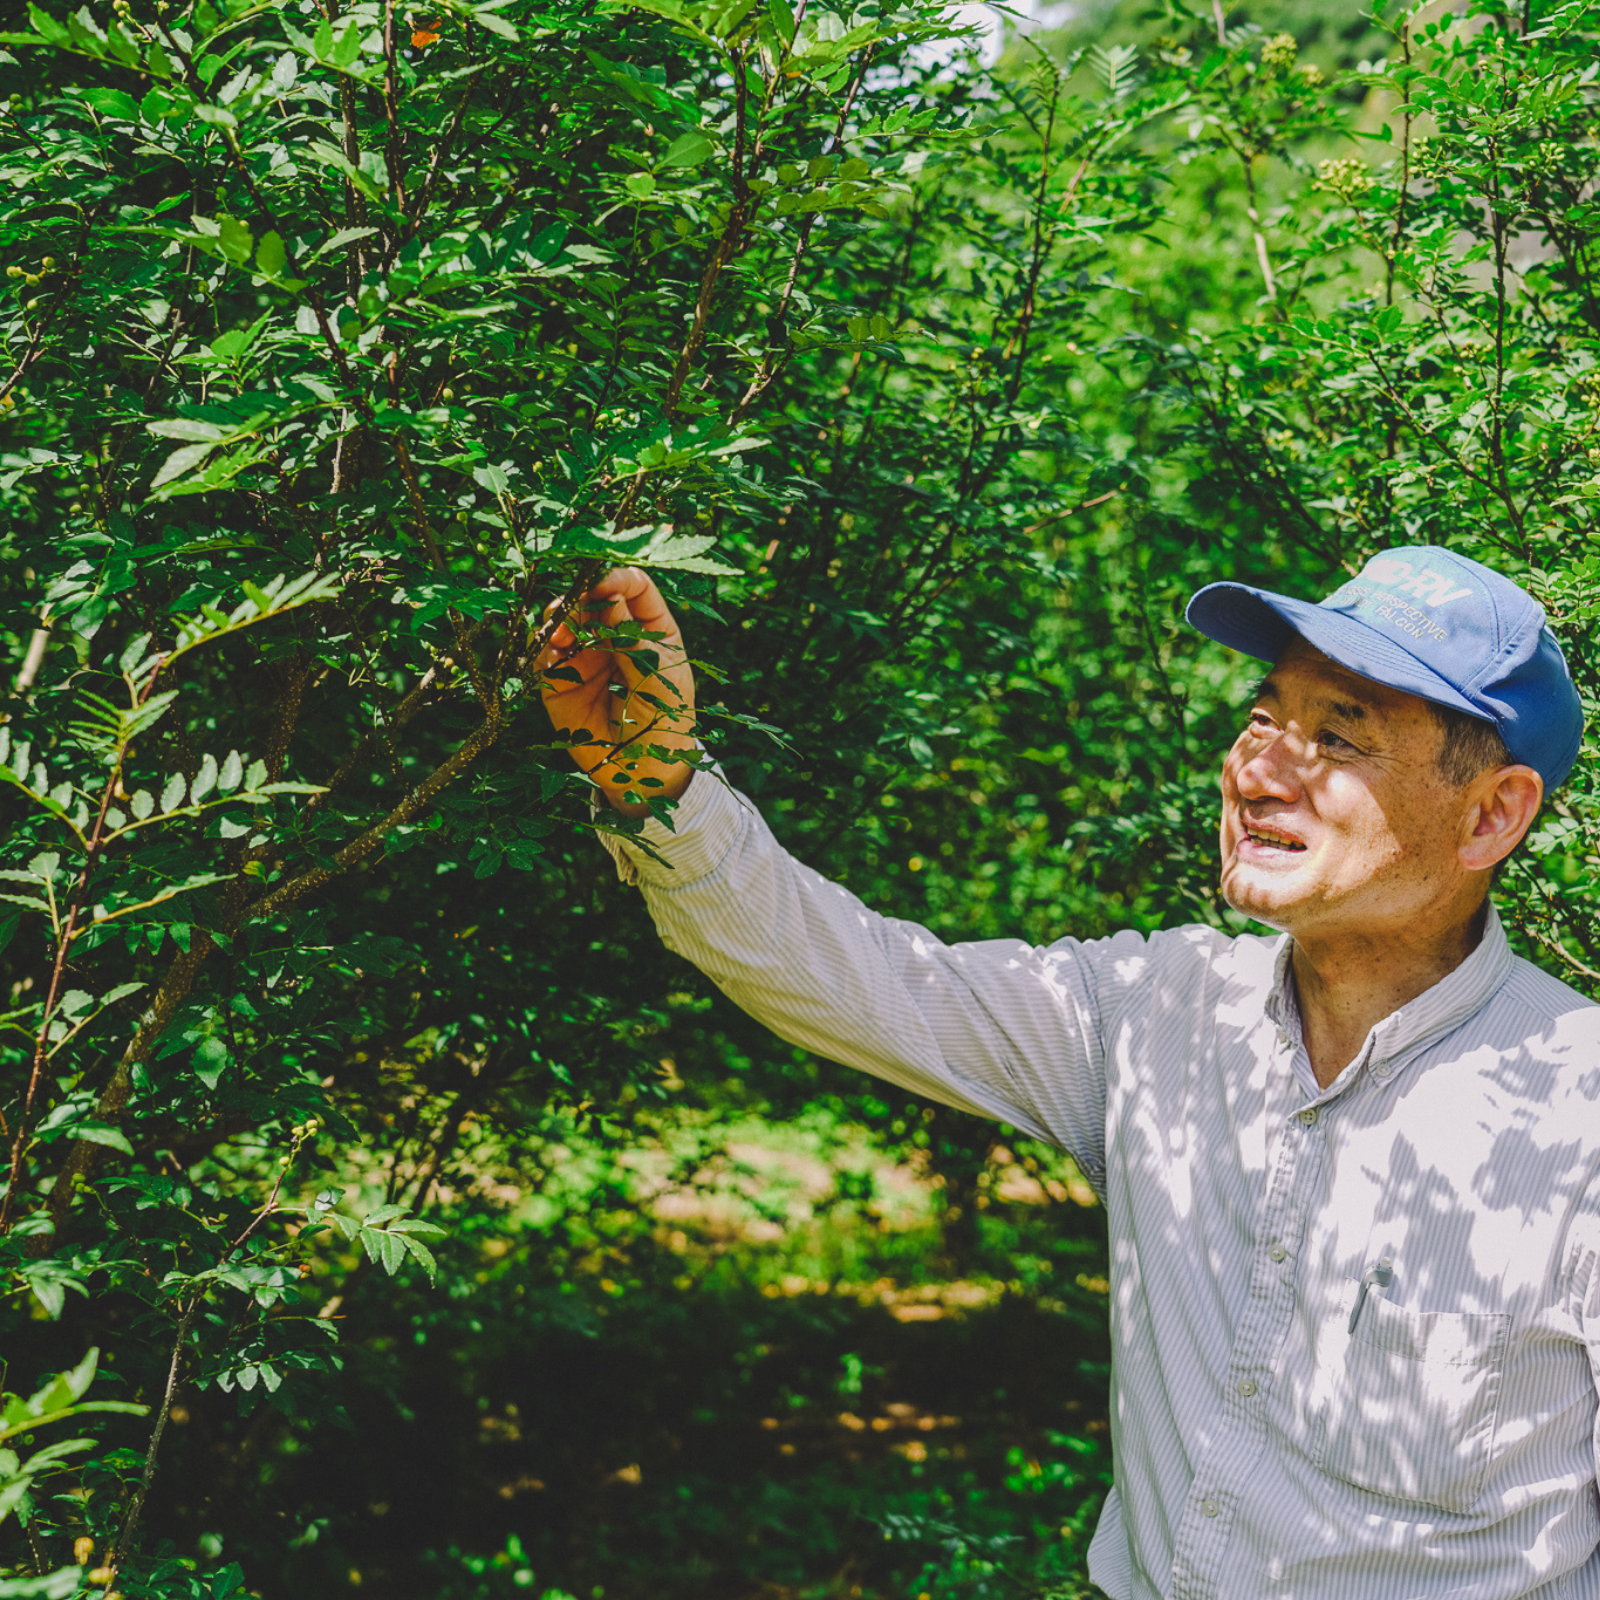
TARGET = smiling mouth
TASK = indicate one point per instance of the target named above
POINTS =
(1270, 839)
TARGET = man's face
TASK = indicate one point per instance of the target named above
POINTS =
(1335, 818)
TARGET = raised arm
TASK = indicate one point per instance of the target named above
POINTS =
(998, 1028)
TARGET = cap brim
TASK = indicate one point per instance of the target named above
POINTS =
(1262, 624)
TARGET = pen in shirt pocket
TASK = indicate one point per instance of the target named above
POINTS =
(1380, 1273)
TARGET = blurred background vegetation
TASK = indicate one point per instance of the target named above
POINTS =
(931, 381)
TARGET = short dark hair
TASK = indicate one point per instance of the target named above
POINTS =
(1469, 745)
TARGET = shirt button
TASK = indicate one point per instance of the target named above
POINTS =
(1283, 1038)
(1309, 1116)
(1277, 1253)
(1247, 1387)
(1382, 1069)
(1210, 1507)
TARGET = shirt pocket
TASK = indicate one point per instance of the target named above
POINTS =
(1410, 1400)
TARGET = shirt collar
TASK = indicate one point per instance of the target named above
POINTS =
(1432, 1014)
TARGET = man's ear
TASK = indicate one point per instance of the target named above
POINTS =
(1504, 803)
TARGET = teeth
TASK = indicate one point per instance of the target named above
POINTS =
(1278, 840)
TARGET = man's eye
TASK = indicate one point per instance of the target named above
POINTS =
(1327, 740)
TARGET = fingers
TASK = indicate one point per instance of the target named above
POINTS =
(623, 595)
(562, 640)
(627, 584)
(639, 598)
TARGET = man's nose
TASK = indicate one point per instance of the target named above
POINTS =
(1272, 773)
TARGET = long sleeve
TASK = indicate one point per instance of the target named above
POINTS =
(998, 1028)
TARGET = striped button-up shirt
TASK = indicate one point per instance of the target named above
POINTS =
(1355, 1330)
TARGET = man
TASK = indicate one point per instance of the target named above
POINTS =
(1351, 1174)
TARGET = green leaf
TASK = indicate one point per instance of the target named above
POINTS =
(217, 472)
(180, 463)
(348, 47)
(330, 156)
(343, 237)
(218, 117)
(236, 342)
(271, 257)
(51, 1295)
(391, 1249)
(147, 716)
(422, 1253)
(485, 17)
(211, 1061)
(235, 240)
(103, 1133)
(46, 26)
(133, 655)
(172, 794)
(205, 780)
(231, 773)
(688, 150)
(142, 804)
(113, 103)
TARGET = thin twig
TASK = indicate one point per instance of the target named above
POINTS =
(1072, 511)
(1405, 168)
(769, 369)
(130, 1523)
(738, 215)
(440, 150)
(66, 933)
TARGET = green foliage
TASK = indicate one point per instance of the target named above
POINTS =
(345, 347)
(58, 1400)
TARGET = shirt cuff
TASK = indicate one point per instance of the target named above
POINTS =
(704, 827)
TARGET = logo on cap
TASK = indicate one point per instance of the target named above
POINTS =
(1433, 589)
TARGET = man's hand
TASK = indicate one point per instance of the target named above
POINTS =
(626, 708)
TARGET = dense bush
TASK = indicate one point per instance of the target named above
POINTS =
(344, 345)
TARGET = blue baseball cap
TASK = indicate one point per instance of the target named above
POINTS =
(1431, 623)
